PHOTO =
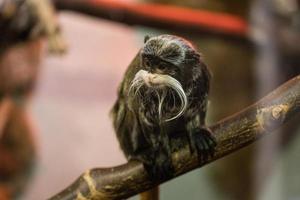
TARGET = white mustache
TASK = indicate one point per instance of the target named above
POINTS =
(144, 77)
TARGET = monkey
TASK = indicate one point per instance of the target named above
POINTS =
(161, 103)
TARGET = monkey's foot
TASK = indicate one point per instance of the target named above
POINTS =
(160, 167)
(203, 143)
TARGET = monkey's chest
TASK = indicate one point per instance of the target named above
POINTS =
(155, 110)
(152, 123)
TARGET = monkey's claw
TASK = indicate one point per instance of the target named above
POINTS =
(203, 143)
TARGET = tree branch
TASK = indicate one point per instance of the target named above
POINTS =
(184, 20)
(232, 134)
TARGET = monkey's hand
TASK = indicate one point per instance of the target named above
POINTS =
(202, 142)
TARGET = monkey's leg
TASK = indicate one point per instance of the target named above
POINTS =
(164, 155)
(149, 146)
(157, 162)
(154, 170)
(157, 165)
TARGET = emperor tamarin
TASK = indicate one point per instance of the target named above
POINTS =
(162, 103)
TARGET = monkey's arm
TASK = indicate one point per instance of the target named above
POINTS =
(125, 127)
(200, 138)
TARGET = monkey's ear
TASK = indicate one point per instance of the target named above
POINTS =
(146, 38)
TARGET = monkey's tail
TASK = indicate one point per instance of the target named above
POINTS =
(152, 194)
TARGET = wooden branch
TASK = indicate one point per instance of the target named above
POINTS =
(169, 17)
(232, 134)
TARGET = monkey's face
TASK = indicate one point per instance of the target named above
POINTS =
(163, 72)
(157, 67)
(164, 55)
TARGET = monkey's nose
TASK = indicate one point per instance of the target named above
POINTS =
(151, 79)
(154, 80)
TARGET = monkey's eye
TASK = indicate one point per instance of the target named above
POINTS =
(162, 67)
(146, 62)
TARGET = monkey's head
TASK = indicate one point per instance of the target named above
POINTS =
(168, 55)
(166, 65)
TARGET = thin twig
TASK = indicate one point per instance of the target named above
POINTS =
(232, 134)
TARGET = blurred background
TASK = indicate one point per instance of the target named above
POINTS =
(54, 109)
